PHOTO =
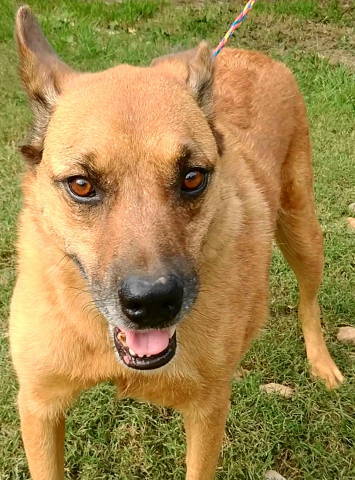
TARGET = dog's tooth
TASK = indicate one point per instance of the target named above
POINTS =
(132, 352)
(122, 338)
(171, 331)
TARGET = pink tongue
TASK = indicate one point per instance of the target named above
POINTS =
(147, 342)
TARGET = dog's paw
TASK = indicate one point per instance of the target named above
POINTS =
(325, 369)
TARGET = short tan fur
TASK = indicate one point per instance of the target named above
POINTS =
(243, 118)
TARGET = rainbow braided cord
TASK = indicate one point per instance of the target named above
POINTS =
(236, 24)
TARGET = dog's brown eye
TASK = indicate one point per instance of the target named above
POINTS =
(81, 187)
(194, 181)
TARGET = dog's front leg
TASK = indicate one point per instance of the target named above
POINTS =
(42, 429)
(204, 425)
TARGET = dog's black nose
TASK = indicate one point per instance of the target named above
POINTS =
(151, 302)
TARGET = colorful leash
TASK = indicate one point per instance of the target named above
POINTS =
(236, 24)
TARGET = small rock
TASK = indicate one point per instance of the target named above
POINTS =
(351, 207)
(346, 335)
(351, 224)
(278, 388)
(273, 475)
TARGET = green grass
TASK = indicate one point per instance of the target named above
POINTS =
(308, 437)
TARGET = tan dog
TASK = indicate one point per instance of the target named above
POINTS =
(150, 203)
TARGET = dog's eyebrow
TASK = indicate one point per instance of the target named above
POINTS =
(183, 156)
(87, 161)
(82, 164)
(79, 164)
(190, 155)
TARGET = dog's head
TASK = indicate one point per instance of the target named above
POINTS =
(123, 166)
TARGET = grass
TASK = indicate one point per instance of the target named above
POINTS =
(308, 437)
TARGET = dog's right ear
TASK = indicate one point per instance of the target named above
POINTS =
(43, 75)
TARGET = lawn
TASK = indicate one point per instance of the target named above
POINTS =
(309, 436)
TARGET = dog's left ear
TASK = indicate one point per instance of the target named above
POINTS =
(43, 75)
(195, 68)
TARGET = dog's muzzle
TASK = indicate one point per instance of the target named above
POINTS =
(151, 303)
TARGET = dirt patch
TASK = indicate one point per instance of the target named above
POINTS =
(332, 42)
(278, 34)
(340, 57)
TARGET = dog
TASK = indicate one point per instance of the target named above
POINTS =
(151, 199)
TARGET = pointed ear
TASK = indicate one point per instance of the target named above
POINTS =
(200, 77)
(195, 69)
(43, 75)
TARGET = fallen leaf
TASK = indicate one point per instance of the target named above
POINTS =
(278, 388)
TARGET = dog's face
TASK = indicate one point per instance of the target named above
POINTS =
(124, 168)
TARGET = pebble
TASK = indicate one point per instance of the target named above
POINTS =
(351, 224)
(273, 475)
(346, 335)
(278, 388)
(351, 207)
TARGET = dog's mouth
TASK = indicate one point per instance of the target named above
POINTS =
(145, 349)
